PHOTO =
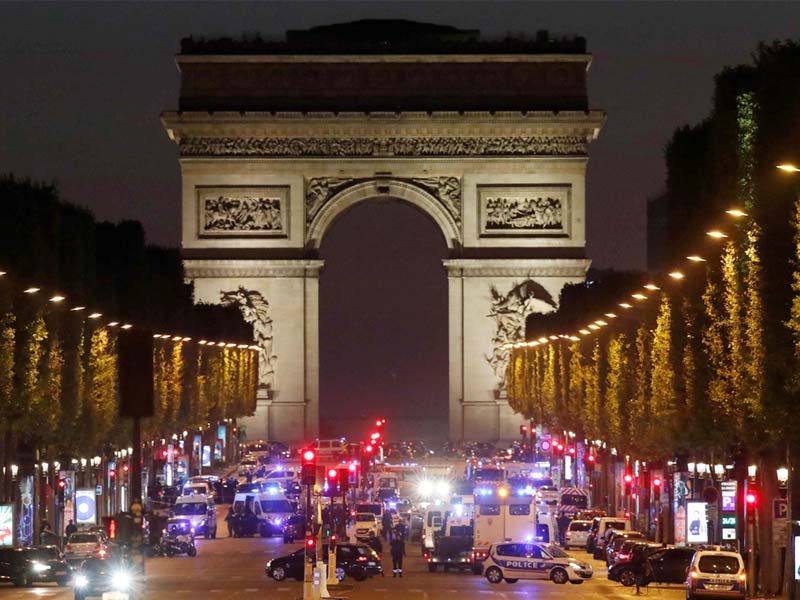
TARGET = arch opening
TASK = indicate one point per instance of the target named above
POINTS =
(383, 330)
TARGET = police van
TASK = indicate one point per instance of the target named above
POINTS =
(512, 561)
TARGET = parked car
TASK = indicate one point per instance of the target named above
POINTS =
(600, 525)
(547, 494)
(514, 561)
(615, 541)
(366, 525)
(668, 565)
(83, 545)
(358, 561)
(716, 573)
(26, 566)
(576, 533)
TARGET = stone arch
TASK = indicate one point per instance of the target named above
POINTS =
(343, 200)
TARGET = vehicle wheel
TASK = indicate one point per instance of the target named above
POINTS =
(597, 554)
(264, 533)
(589, 547)
(170, 552)
(22, 582)
(577, 582)
(494, 575)
(559, 576)
(511, 580)
(627, 578)
(279, 573)
(431, 568)
(192, 551)
(340, 573)
(358, 573)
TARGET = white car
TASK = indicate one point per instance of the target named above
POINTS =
(577, 533)
(83, 545)
(716, 573)
(366, 525)
(513, 561)
(201, 512)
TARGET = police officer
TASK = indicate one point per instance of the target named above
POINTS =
(398, 546)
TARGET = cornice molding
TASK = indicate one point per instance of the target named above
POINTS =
(198, 268)
(535, 267)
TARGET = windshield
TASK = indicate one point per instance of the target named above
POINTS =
(489, 475)
(555, 551)
(191, 508)
(370, 518)
(46, 553)
(271, 506)
(375, 509)
(719, 564)
(280, 474)
(580, 526)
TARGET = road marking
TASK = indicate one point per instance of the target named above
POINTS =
(214, 591)
(283, 589)
(381, 590)
(251, 590)
(415, 591)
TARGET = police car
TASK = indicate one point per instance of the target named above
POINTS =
(511, 561)
(716, 573)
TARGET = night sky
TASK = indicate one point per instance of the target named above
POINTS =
(82, 86)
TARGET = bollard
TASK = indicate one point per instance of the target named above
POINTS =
(332, 568)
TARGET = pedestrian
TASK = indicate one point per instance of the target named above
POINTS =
(229, 521)
(374, 542)
(70, 528)
(398, 551)
(386, 525)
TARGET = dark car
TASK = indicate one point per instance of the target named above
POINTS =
(668, 565)
(615, 542)
(25, 566)
(94, 577)
(294, 529)
(50, 556)
(358, 561)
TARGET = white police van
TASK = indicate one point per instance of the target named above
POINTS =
(512, 561)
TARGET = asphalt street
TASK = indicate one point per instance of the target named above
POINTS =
(234, 568)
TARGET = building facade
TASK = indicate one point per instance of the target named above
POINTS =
(489, 139)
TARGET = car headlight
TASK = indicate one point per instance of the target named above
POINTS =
(120, 580)
(39, 567)
(425, 487)
(80, 581)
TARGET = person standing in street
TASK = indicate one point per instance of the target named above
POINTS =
(386, 525)
(398, 546)
(70, 528)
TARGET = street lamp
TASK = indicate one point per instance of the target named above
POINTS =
(783, 475)
(751, 471)
(789, 168)
(719, 470)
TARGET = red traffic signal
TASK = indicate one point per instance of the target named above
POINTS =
(62, 484)
(378, 423)
(375, 436)
(591, 458)
(332, 474)
(559, 446)
(311, 547)
(369, 448)
(656, 482)
(627, 478)
(523, 429)
(309, 456)
(353, 468)
(571, 450)
(125, 468)
(308, 471)
(751, 498)
(112, 473)
(165, 453)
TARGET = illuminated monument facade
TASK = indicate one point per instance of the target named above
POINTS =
(489, 139)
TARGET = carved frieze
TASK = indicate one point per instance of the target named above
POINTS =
(527, 210)
(243, 211)
(567, 145)
(255, 310)
(446, 189)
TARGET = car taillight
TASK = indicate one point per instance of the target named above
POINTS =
(742, 576)
(430, 560)
(569, 534)
(623, 556)
(362, 559)
(694, 574)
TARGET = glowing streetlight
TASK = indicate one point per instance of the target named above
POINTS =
(652, 287)
(638, 296)
(625, 305)
(95, 315)
(77, 308)
(542, 340)
(113, 323)
(584, 332)
(695, 258)
(57, 298)
(30, 290)
(593, 326)
(716, 234)
(127, 326)
(677, 275)
(735, 212)
(611, 315)
(789, 168)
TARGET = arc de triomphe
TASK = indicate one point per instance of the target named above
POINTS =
(278, 139)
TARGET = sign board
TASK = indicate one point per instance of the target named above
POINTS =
(6, 524)
(728, 496)
(780, 533)
(728, 534)
(206, 455)
(85, 506)
(98, 490)
(696, 522)
(729, 521)
(780, 509)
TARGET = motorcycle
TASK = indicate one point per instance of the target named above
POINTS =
(178, 538)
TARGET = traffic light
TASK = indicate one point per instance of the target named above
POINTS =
(311, 547)
(656, 488)
(308, 472)
(751, 498)
(571, 450)
(112, 528)
(589, 461)
(523, 430)
(332, 477)
(344, 478)
(62, 486)
(112, 473)
(369, 448)
(628, 481)
(558, 446)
